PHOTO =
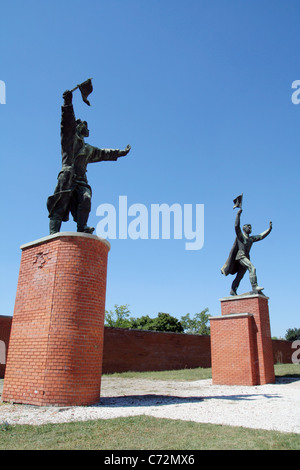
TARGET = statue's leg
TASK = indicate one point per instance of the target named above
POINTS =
(252, 275)
(58, 203)
(54, 225)
(83, 209)
(240, 274)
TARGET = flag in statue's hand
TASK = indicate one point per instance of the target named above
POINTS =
(238, 201)
(86, 89)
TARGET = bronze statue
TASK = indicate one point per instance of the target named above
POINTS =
(238, 261)
(73, 193)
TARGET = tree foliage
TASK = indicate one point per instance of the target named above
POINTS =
(196, 325)
(165, 322)
(292, 334)
(120, 318)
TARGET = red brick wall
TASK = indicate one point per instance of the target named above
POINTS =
(282, 351)
(138, 350)
(126, 350)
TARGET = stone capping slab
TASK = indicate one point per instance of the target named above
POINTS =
(243, 296)
(232, 315)
(64, 234)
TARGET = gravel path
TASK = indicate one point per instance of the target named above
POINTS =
(272, 406)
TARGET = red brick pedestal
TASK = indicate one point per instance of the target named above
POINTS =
(241, 344)
(56, 342)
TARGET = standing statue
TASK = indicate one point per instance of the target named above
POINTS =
(73, 193)
(238, 261)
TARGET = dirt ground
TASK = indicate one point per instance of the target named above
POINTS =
(273, 406)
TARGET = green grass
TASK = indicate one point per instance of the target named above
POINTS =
(181, 375)
(142, 433)
(289, 370)
(148, 433)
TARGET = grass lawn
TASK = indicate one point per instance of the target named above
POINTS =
(181, 375)
(142, 433)
(148, 433)
(281, 370)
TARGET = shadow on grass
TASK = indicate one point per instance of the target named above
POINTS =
(287, 379)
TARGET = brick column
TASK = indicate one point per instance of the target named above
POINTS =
(230, 334)
(233, 350)
(56, 343)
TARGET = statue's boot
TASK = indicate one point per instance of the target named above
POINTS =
(54, 226)
(85, 229)
(88, 229)
(233, 292)
(82, 224)
(255, 288)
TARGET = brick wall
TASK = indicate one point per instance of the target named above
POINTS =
(282, 351)
(126, 350)
(138, 350)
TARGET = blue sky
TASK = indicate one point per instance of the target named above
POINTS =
(201, 89)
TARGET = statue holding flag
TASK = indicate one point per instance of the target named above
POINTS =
(73, 193)
(238, 261)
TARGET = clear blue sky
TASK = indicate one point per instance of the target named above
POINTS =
(201, 89)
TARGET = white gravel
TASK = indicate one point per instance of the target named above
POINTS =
(272, 406)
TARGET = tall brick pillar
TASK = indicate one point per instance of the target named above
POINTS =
(241, 344)
(56, 343)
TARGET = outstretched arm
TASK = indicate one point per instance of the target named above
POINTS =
(123, 153)
(100, 155)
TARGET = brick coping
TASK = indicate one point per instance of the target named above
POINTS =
(231, 315)
(64, 234)
(243, 296)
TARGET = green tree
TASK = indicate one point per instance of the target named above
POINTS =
(118, 318)
(163, 322)
(142, 323)
(196, 325)
(292, 334)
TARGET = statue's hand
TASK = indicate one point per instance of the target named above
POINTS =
(126, 151)
(239, 211)
(67, 96)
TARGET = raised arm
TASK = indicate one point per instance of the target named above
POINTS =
(237, 225)
(263, 234)
(68, 126)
